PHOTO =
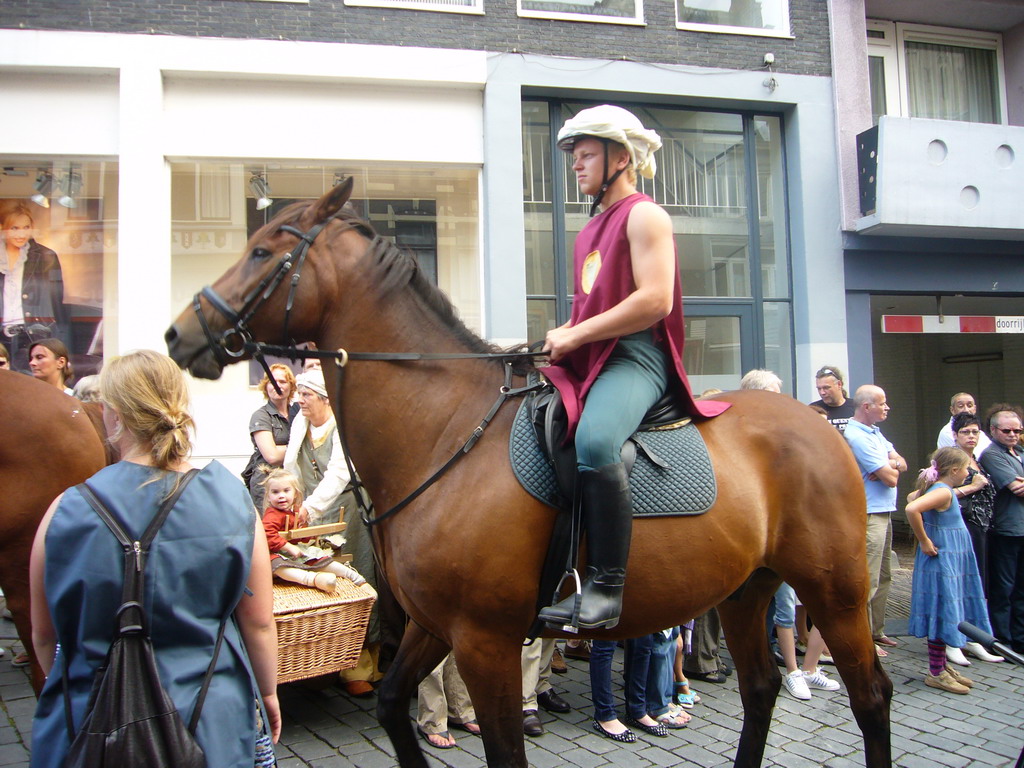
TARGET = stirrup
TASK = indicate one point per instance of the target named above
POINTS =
(572, 623)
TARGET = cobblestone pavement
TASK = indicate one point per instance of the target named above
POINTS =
(327, 729)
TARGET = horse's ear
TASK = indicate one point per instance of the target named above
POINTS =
(336, 196)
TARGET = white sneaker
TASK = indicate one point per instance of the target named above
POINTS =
(977, 650)
(818, 679)
(956, 656)
(797, 685)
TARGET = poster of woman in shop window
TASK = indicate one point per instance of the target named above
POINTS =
(32, 295)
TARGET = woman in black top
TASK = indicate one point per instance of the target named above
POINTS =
(269, 428)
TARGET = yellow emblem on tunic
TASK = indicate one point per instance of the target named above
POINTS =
(591, 268)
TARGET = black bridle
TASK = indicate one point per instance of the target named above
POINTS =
(224, 347)
(237, 340)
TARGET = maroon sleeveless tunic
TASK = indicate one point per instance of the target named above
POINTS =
(603, 271)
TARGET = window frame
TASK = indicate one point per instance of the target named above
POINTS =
(477, 9)
(724, 29)
(637, 19)
(892, 49)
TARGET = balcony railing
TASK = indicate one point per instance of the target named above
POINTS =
(940, 178)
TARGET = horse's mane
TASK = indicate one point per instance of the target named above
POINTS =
(393, 269)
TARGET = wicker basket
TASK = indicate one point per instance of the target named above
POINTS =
(319, 632)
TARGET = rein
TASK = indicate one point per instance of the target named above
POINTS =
(341, 359)
(237, 340)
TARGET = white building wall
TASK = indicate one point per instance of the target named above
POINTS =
(144, 101)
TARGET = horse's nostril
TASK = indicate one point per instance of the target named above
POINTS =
(172, 335)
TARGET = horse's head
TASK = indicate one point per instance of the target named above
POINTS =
(262, 296)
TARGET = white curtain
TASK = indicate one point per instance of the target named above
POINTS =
(951, 82)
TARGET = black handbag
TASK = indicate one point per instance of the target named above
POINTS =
(130, 720)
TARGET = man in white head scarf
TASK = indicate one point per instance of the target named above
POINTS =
(315, 456)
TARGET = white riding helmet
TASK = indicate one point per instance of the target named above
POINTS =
(618, 124)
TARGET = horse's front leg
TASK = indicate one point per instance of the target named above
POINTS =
(418, 655)
(743, 620)
(491, 667)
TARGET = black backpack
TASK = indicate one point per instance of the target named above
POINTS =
(129, 719)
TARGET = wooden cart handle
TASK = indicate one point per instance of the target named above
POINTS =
(313, 531)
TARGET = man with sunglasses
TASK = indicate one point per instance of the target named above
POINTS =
(838, 407)
(1003, 462)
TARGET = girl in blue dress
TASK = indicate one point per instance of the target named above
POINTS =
(946, 588)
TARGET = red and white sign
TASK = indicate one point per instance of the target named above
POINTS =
(952, 324)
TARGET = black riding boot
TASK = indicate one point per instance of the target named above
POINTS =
(608, 521)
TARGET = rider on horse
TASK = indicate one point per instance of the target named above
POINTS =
(621, 350)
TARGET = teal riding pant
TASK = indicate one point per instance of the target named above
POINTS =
(633, 379)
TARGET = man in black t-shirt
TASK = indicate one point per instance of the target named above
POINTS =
(834, 400)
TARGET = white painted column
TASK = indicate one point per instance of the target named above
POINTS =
(142, 310)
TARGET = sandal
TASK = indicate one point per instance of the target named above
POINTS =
(882, 653)
(687, 700)
(660, 729)
(443, 734)
(470, 726)
(674, 720)
(21, 660)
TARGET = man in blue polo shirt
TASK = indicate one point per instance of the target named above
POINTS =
(880, 467)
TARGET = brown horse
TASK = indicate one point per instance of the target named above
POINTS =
(464, 558)
(51, 442)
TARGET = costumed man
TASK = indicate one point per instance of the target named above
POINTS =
(315, 456)
(622, 348)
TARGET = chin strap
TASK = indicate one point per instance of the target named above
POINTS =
(606, 183)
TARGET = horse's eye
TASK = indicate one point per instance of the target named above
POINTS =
(259, 254)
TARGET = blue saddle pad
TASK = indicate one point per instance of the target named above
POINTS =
(686, 486)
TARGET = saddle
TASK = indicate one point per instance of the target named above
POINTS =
(668, 464)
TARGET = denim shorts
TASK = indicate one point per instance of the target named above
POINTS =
(785, 606)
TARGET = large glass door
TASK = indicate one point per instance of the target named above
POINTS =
(719, 346)
(721, 179)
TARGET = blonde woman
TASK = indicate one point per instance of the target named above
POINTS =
(208, 564)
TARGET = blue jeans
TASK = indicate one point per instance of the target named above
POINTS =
(633, 379)
(601, 654)
(647, 674)
(660, 678)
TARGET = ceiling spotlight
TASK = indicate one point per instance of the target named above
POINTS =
(70, 186)
(260, 190)
(43, 188)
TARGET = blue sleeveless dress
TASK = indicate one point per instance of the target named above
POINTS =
(946, 588)
(195, 575)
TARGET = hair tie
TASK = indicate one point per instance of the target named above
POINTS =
(931, 474)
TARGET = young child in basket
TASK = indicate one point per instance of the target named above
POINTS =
(298, 561)
(947, 587)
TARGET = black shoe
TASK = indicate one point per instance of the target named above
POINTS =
(608, 520)
(532, 725)
(724, 668)
(552, 702)
(707, 677)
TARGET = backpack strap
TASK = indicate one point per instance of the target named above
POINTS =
(135, 552)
